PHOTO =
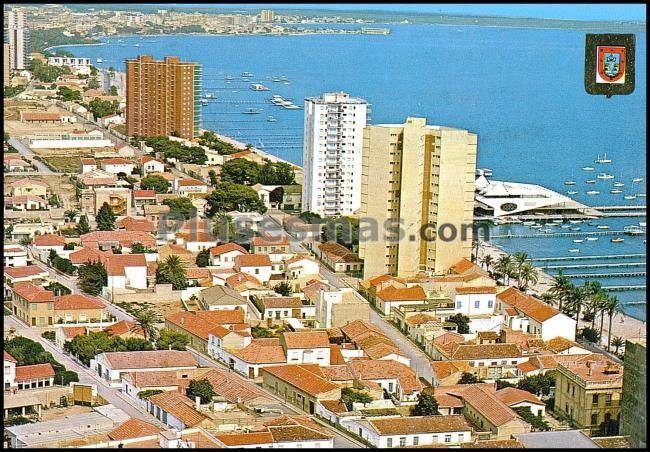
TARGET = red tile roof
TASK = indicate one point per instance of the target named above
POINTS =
(244, 439)
(76, 301)
(40, 116)
(302, 377)
(133, 428)
(196, 325)
(421, 424)
(513, 396)
(144, 194)
(371, 369)
(88, 255)
(252, 260)
(34, 372)
(33, 293)
(70, 332)
(262, 351)
(23, 272)
(463, 265)
(88, 161)
(116, 263)
(189, 183)
(152, 359)
(243, 281)
(226, 248)
(305, 339)
(179, 406)
(136, 224)
(486, 404)
(475, 290)
(281, 302)
(124, 238)
(391, 293)
(532, 307)
(270, 241)
(49, 240)
(116, 161)
(123, 327)
(8, 357)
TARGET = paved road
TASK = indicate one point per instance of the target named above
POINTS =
(112, 395)
(27, 153)
(340, 440)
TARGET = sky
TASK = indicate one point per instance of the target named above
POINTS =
(597, 11)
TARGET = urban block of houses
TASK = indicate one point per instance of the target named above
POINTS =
(14, 163)
(107, 240)
(339, 258)
(26, 377)
(256, 265)
(14, 255)
(111, 366)
(281, 432)
(223, 256)
(14, 275)
(337, 307)
(27, 186)
(151, 165)
(222, 298)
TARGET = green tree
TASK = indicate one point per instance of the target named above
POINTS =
(146, 317)
(538, 384)
(276, 196)
(70, 215)
(276, 173)
(284, 289)
(112, 90)
(537, 422)
(64, 265)
(526, 275)
(83, 227)
(230, 196)
(214, 180)
(560, 288)
(171, 271)
(155, 182)
(504, 267)
(462, 321)
(200, 388)
(310, 217)
(174, 339)
(49, 335)
(181, 207)
(203, 258)
(134, 344)
(92, 277)
(100, 108)
(504, 384)
(589, 334)
(105, 218)
(223, 227)
(612, 306)
(144, 395)
(210, 140)
(92, 83)
(617, 343)
(467, 378)
(427, 405)
(87, 346)
(240, 171)
(351, 395)
(488, 260)
(67, 94)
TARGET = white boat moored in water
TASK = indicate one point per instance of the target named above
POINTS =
(572, 192)
(605, 176)
(618, 184)
(590, 181)
(593, 192)
(617, 240)
(602, 226)
(574, 250)
(630, 197)
(635, 180)
(569, 182)
(259, 87)
(577, 241)
(641, 195)
(616, 191)
(592, 239)
(603, 159)
(587, 168)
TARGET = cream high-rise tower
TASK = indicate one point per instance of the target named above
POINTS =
(417, 174)
(16, 35)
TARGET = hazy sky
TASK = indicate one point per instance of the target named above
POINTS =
(597, 11)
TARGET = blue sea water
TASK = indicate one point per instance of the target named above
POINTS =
(520, 89)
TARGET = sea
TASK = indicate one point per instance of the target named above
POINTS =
(521, 90)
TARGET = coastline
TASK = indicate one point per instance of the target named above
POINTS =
(623, 325)
(264, 154)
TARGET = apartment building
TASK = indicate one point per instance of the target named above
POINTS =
(417, 174)
(633, 397)
(334, 125)
(162, 97)
(16, 35)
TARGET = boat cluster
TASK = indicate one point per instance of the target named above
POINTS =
(604, 176)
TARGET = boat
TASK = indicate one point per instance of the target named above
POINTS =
(259, 87)
(605, 176)
(602, 226)
(574, 250)
(569, 182)
(603, 159)
(592, 239)
(487, 172)
(618, 184)
(593, 192)
(549, 231)
(565, 226)
(204, 102)
(246, 74)
(99, 60)
(641, 195)
(287, 83)
(616, 191)
(617, 240)
(229, 77)
(209, 95)
(575, 221)
(277, 79)
(271, 119)
(642, 224)
(575, 228)
(633, 230)
(635, 180)
(630, 197)
(577, 241)
(251, 111)
(528, 223)
(136, 45)
(572, 192)
(590, 181)
(292, 107)
(587, 168)
(536, 226)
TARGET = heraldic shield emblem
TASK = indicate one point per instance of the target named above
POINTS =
(610, 63)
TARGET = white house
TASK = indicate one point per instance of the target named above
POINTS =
(258, 354)
(151, 165)
(126, 270)
(393, 297)
(526, 313)
(14, 255)
(88, 165)
(46, 242)
(306, 347)
(118, 165)
(175, 410)
(475, 301)
(300, 267)
(223, 256)
(256, 265)
(10, 372)
(115, 118)
(390, 431)
(196, 241)
(186, 187)
(515, 398)
(112, 365)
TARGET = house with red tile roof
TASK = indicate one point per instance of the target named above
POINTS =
(133, 428)
(63, 334)
(413, 431)
(9, 372)
(256, 265)
(151, 165)
(112, 365)
(517, 398)
(244, 284)
(142, 198)
(106, 240)
(25, 203)
(270, 245)
(87, 165)
(126, 270)
(259, 353)
(34, 376)
(47, 242)
(28, 186)
(306, 347)
(176, 410)
(284, 432)
(14, 255)
(394, 297)
(32, 304)
(529, 314)
(14, 275)
(339, 258)
(136, 224)
(164, 380)
(118, 165)
(300, 384)
(223, 256)
(87, 254)
(190, 187)
(80, 309)
(223, 298)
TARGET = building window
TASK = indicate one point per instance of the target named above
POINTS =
(459, 304)
(490, 303)
(594, 399)
(447, 438)
(416, 440)
(477, 303)
(402, 441)
(594, 419)
(389, 442)
(608, 399)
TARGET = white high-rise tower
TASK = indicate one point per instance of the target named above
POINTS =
(331, 160)
(16, 35)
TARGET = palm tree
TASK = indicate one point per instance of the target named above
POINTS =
(612, 307)
(147, 318)
(548, 298)
(172, 271)
(617, 342)
(526, 275)
(487, 261)
(560, 288)
(70, 215)
(504, 266)
(573, 302)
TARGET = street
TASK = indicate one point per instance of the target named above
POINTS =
(112, 395)
(25, 152)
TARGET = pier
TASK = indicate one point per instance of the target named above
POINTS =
(577, 258)
(557, 234)
(621, 288)
(602, 265)
(604, 275)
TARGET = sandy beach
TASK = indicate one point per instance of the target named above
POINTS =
(242, 146)
(623, 325)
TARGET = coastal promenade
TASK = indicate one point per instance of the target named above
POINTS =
(623, 325)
